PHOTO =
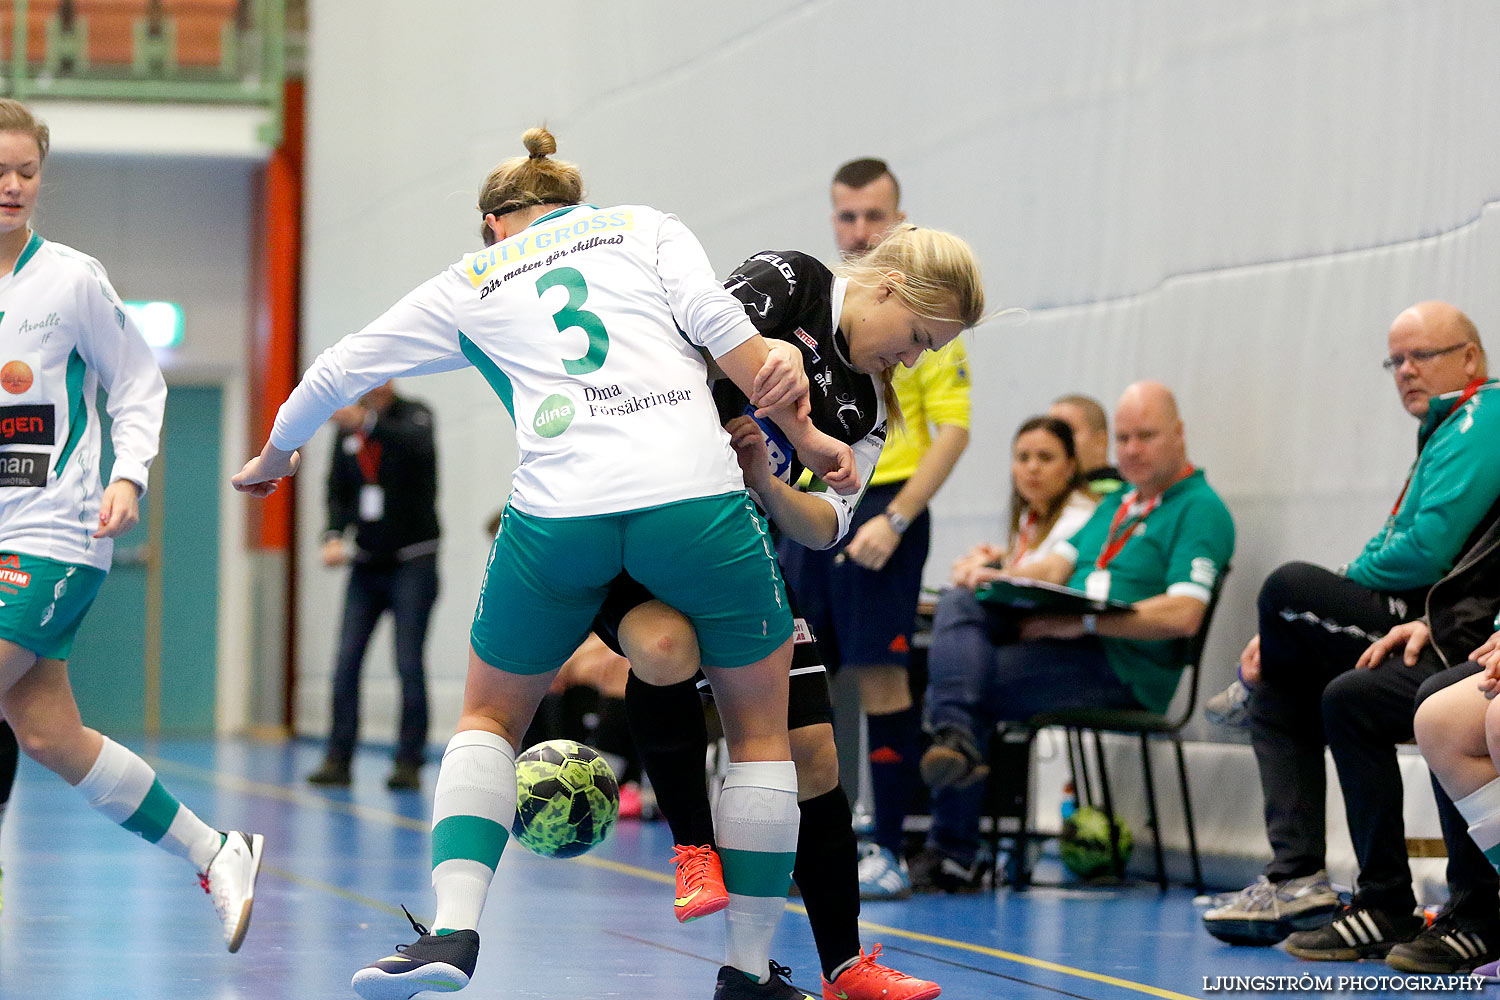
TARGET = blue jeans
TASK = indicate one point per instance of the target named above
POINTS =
(978, 676)
(408, 590)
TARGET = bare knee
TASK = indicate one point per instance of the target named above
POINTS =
(660, 643)
(1492, 729)
(817, 760)
(1431, 732)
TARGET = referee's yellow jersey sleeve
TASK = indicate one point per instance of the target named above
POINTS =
(934, 393)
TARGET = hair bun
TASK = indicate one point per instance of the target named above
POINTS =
(539, 143)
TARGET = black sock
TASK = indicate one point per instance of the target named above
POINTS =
(894, 740)
(10, 755)
(827, 872)
(669, 731)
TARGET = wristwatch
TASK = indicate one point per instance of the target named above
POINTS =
(1090, 624)
(898, 522)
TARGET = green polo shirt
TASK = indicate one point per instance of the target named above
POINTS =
(1180, 549)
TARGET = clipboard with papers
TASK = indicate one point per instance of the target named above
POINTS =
(1039, 597)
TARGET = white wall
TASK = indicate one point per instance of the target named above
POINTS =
(1235, 199)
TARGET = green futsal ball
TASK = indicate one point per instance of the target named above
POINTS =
(567, 799)
(1085, 842)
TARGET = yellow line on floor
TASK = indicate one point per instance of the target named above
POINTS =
(313, 800)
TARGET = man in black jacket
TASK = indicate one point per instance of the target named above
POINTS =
(383, 485)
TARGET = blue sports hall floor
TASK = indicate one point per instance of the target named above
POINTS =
(92, 912)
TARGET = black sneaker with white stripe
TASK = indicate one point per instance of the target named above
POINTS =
(441, 963)
(1446, 948)
(1357, 931)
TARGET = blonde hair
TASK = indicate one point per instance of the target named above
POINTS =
(933, 273)
(936, 274)
(533, 179)
(17, 117)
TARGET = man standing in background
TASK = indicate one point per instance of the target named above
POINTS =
(861, 600)
(383, 484)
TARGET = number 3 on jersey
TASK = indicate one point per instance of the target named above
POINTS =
(570, 316)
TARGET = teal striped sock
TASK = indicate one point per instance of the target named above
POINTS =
(757, 835)
(472, 810)
(1481, 809)
(125, 789)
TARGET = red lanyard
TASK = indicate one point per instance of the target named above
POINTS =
(1114, 543)
(1028, 530)
(369, 459)
(1464, 397)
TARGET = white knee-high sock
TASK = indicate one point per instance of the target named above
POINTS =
(472, 810)
(756, 828)
(1482, 810)
(125, 788)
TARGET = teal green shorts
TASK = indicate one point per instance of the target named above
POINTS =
(43, 602)
(710, 558)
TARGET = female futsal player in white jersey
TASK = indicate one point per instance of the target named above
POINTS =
(66, 335)
(585, 321)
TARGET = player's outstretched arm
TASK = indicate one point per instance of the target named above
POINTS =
(263, 473)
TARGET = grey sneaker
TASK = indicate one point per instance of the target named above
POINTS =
(1265, 912)
(1230, 707)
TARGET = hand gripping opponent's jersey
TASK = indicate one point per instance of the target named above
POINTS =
(63, 335)
(791, 296)
(584, 325)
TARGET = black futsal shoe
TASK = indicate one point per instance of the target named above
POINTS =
(735, 985)
(440, 963)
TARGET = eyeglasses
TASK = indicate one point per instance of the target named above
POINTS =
(1395, 361)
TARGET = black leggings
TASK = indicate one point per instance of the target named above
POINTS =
(1314, 625)
(10, 756)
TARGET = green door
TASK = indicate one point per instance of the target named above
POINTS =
(145, 658)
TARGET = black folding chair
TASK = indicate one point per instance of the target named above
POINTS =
(1138, 722)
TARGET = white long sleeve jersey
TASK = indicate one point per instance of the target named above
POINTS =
(584, 326)
(63, 335)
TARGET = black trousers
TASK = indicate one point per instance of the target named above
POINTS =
(408, 590)
(1314, 625)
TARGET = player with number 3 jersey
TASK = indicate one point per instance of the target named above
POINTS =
(586, 322)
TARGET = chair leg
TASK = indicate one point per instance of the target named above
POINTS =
(1161, 864)
(1116, 863)
(1187, 812)
(1019, 866)
(1083, 789)
(991, 806)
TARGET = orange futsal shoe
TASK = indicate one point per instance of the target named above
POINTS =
(700, 883)
(867, 979)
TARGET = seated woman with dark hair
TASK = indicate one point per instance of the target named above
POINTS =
(1049, 501)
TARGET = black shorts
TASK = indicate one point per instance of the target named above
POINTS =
(808, 700)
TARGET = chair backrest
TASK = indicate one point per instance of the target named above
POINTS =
(1192, 659)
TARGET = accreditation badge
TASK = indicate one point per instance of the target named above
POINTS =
(1096, 585)
(371, 502)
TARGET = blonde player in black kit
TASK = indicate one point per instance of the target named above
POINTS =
(916, 291)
